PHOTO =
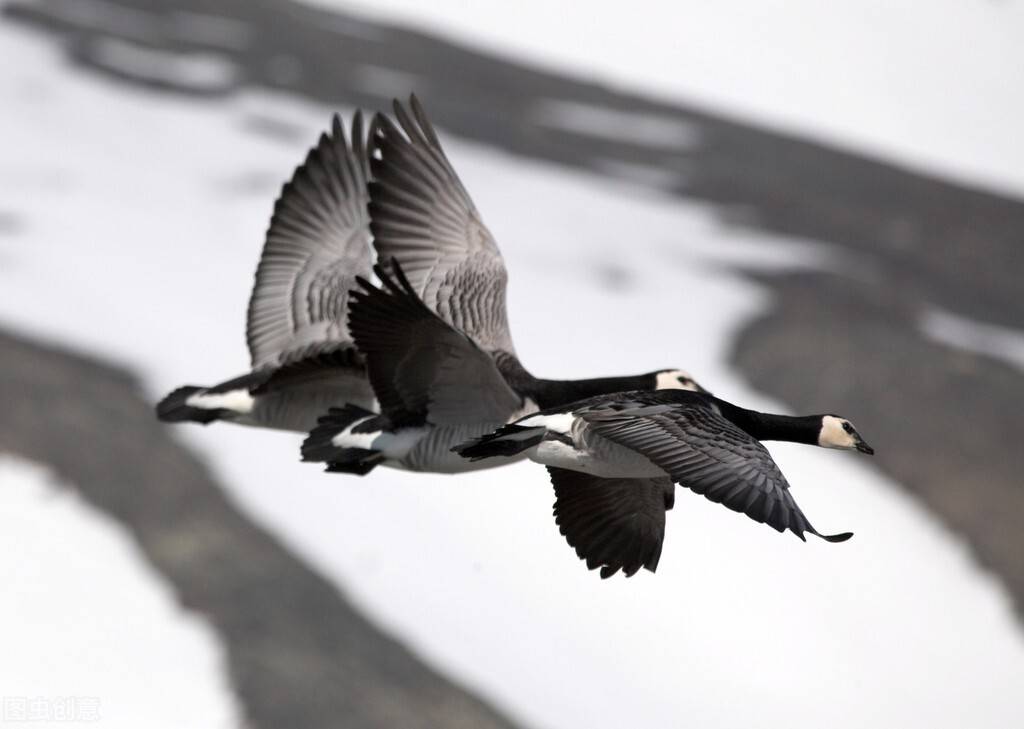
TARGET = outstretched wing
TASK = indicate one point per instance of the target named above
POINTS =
(422, 216)
(706, 453)
(317, 243)
(612, 523)
(421, 366)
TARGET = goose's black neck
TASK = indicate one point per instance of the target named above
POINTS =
(555, 393)
(766, 426)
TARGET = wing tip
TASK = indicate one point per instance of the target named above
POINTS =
(337, 128)
(836, 538)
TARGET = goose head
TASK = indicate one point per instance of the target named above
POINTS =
(837, 432)
(676, 380)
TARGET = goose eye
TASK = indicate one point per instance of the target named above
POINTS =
(847, 427)
(685, 381)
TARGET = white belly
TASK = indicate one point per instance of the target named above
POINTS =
(426, 448)
(595, 455)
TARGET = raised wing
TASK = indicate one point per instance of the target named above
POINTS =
(317, 243)
(422, 216)
(419, 365)
(612, 523)
(706, 453)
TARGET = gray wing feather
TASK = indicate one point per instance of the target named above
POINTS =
(317, 243)
(419, 365)
(422, 216)
(706, 453)
(612, 523)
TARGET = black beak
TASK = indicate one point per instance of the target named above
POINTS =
(865, 448)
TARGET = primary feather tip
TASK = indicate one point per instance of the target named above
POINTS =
(836, 538)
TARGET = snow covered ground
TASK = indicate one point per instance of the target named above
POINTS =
(937, 85)
(1002, 343)
(91, 634)
(136, 220)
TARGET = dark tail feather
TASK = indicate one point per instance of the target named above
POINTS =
(318, 445)
(174, 409)
(506, 441)
(358, 461)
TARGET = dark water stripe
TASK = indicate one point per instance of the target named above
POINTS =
(299, 655)
(946, 243)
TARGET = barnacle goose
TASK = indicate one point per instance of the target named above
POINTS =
(303, 358)
(435, 336)
(613, 460)
(437, 387)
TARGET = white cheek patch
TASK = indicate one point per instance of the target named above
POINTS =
(670, 381)
(833, 436)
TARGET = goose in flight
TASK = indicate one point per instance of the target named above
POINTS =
(613, 460)
(437, 387)
(303, 358)
(435, 335)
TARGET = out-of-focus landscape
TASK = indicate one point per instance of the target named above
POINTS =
(811, 207)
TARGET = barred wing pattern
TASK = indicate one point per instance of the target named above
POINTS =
(706, 453)
(317, 243)
(422, 216)
(612, 523)
(421, 366)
